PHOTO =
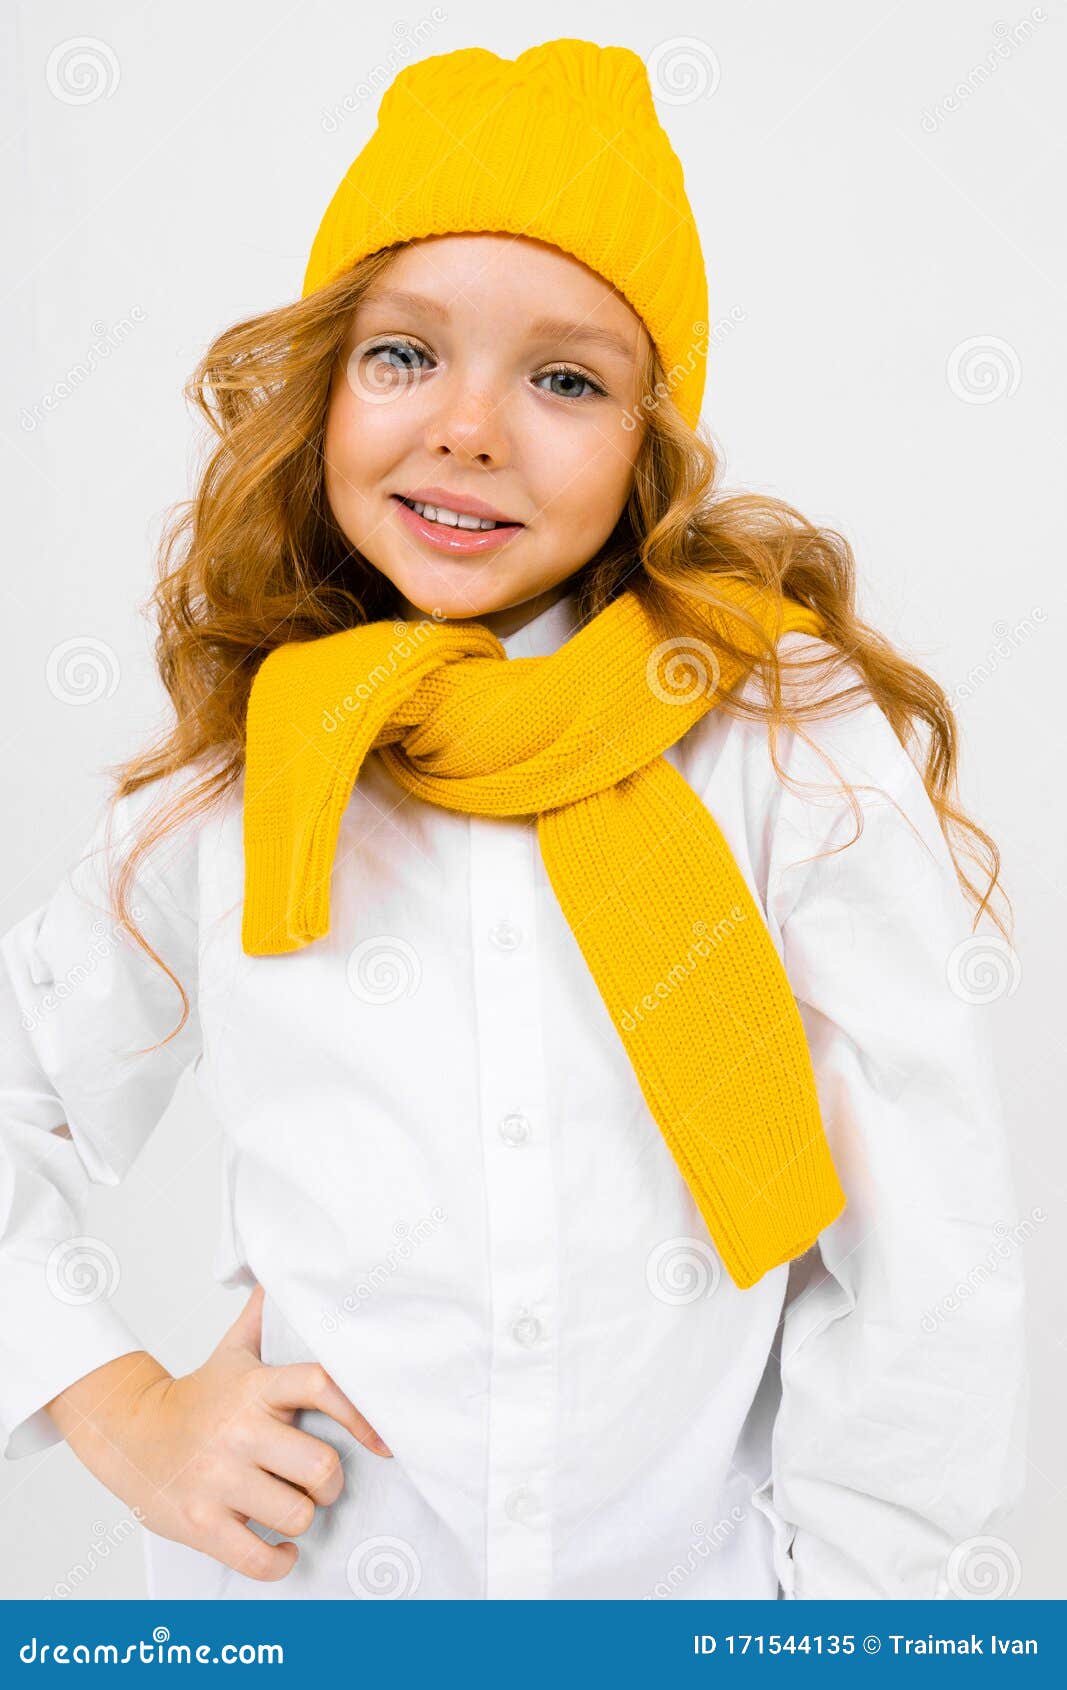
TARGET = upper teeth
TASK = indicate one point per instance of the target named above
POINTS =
(455, 519)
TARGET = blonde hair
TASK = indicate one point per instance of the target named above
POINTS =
(256, 559)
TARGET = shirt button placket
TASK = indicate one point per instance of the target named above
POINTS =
(522, 1217)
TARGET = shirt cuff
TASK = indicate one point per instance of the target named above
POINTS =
(63, 1342)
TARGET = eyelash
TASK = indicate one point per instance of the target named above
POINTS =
(598, 392)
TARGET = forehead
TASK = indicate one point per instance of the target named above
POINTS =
(526, 279)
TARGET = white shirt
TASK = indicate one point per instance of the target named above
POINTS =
(441, 1167)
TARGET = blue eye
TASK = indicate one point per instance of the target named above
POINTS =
(402, 346)
(595, 390)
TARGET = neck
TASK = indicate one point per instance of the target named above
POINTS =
(505, 621)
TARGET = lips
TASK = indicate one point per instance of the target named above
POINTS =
(458, 542)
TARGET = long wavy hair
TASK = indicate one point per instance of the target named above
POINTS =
(256, 559)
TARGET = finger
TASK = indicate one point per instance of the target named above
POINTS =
(300, 1384)
(272, 1503)
(247, 1330)
(237, 1546)
(301, 1459)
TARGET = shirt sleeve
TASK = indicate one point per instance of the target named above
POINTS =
(899, 1439)
(78, 999)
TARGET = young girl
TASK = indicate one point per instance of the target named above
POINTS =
(568, 940)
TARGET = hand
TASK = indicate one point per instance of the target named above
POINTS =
(200, 1455)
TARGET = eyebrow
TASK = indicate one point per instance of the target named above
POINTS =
(543, 328)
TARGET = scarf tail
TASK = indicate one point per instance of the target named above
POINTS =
(700, 999)
(315, 710)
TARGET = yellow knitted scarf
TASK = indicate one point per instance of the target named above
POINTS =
(676, 944)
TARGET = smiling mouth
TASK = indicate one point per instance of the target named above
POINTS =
(446, 518)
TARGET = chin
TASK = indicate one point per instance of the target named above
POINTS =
(454, 604)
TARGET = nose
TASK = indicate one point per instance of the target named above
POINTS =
(468, 422)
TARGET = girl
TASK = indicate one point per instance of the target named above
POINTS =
(571, 947)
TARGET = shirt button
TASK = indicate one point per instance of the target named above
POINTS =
(514, 1128)
(527, 1329)
(521, 1505)
(505, 935)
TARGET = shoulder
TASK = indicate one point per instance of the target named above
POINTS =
(159, 827)
(846, 737)
(842, 763)
(843, 728)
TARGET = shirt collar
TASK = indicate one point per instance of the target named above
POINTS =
(546, 631)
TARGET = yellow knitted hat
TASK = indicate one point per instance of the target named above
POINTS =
(561, 144)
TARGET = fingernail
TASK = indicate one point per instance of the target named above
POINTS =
(382, 1448)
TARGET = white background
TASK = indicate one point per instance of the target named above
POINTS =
(875, 187)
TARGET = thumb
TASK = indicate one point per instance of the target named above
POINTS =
(247, 1330)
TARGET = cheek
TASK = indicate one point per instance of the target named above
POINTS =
(363, 439)
(595, 479)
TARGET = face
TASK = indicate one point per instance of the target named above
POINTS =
(486, 377)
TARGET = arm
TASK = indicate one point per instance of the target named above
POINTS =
(198, 1457)
(899, 1438)
(76, 998)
